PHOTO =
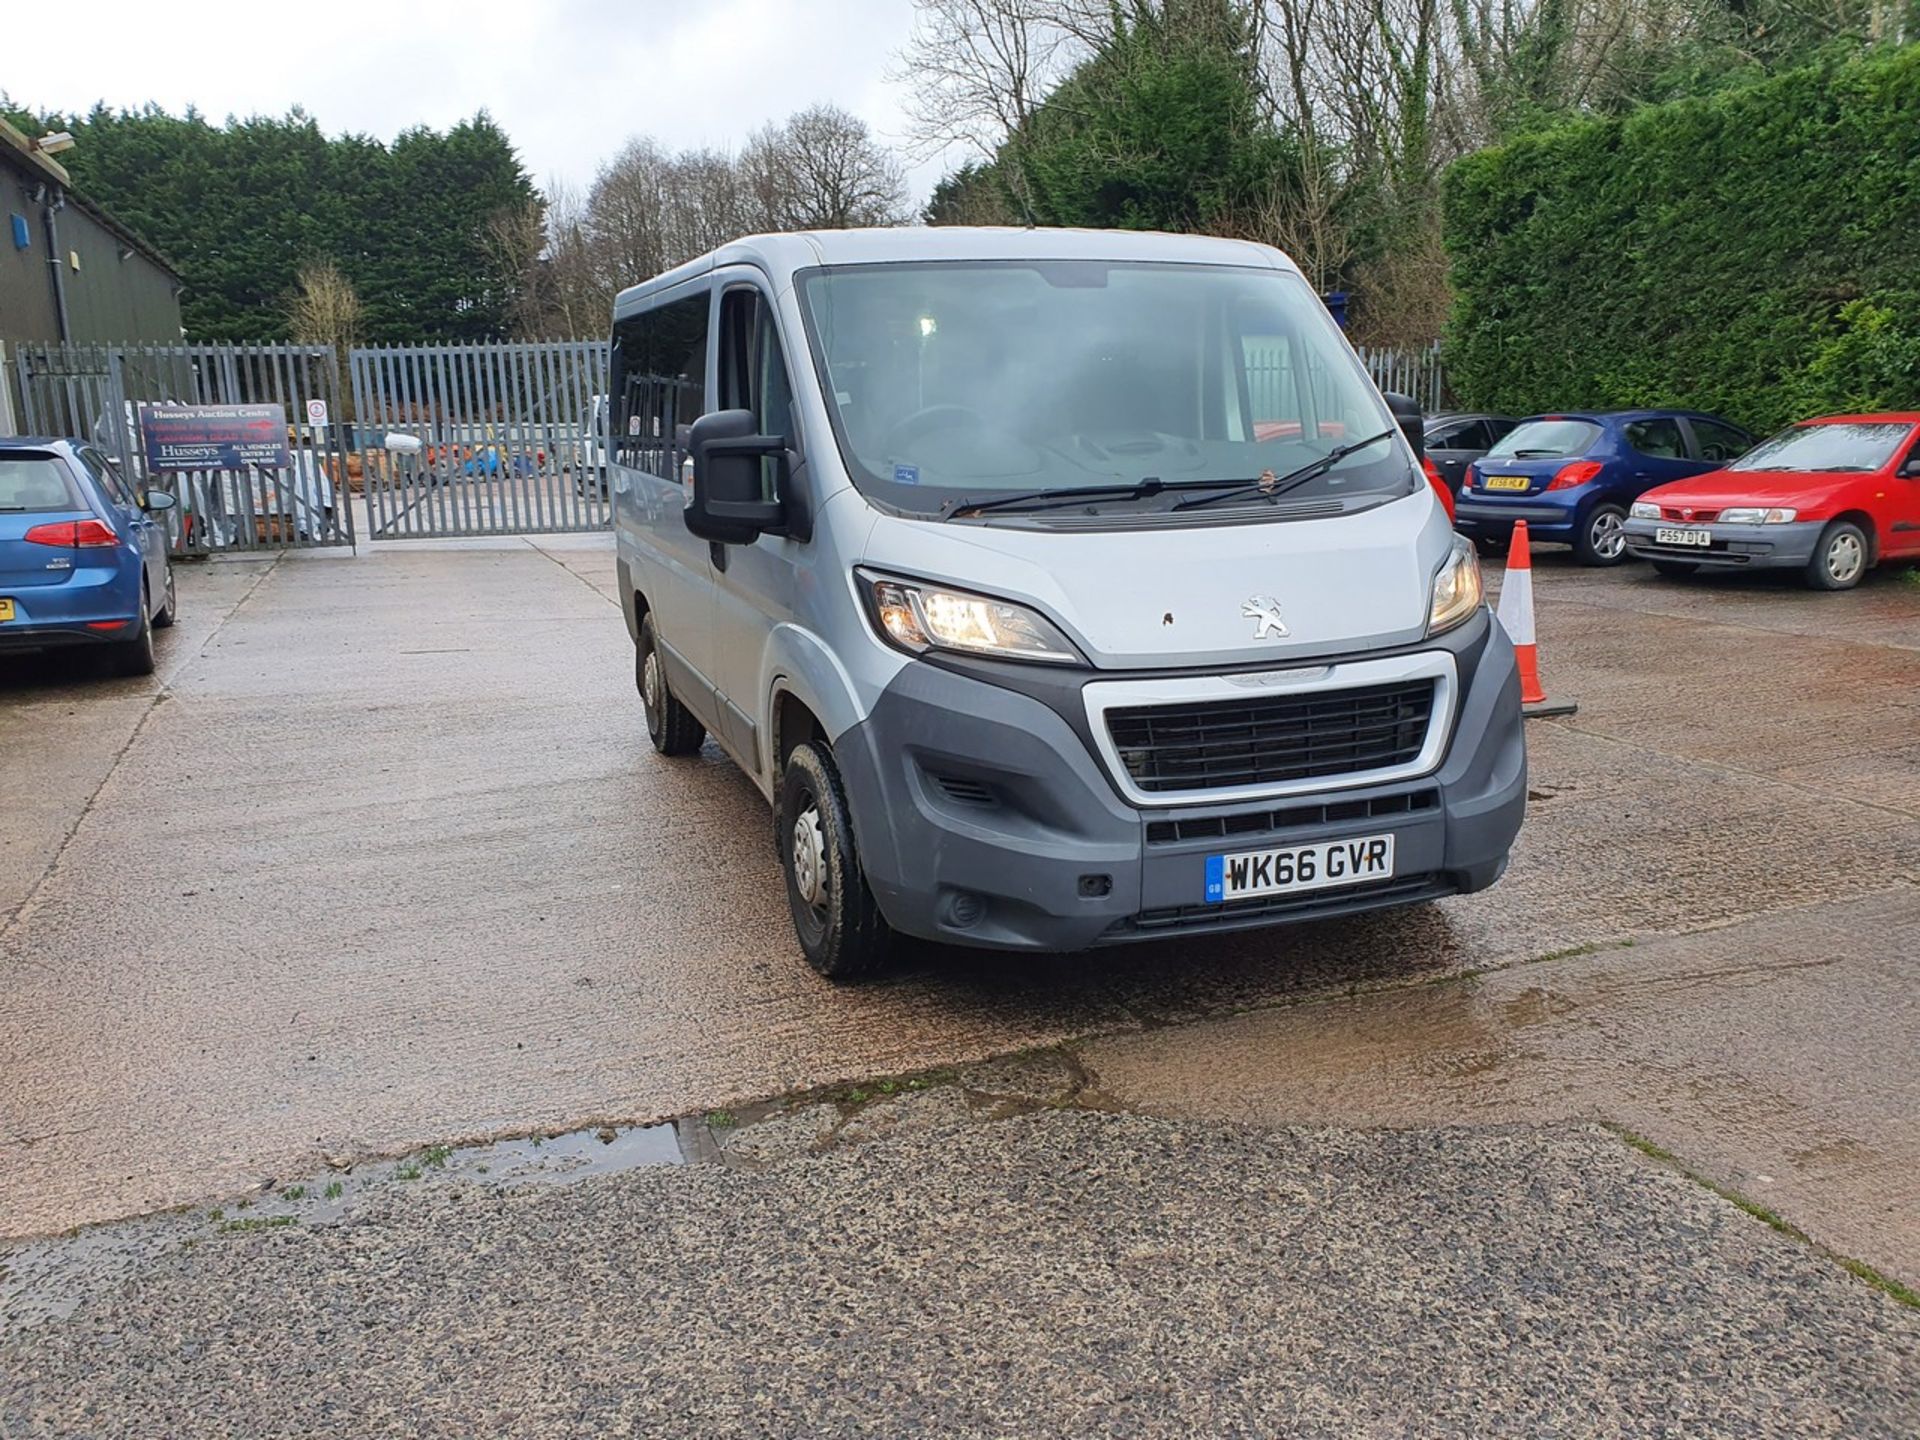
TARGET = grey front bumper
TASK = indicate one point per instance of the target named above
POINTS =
(1788, 546)
(983, 818)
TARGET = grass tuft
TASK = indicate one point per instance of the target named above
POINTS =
(1770, 1218)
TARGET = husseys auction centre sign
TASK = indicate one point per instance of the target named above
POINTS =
(214, 437)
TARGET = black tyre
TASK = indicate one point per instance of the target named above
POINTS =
(1841, 558)
(1490, 547)
(164, 620)
(1602, 536)
(1674, 569)
(840, 927)
(674, 729)
(134, 657)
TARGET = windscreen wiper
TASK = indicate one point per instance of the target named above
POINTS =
(1058, 497)
(1272, 489)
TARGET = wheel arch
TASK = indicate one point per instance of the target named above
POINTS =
(805, 677)
(633, 600)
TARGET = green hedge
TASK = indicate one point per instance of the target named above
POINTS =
(1754, 253)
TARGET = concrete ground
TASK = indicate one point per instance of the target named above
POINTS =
(1058, 1273)
(381, 860)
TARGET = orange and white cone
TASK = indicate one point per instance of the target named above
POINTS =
(1516, 615)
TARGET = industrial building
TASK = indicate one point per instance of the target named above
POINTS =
(68, 270)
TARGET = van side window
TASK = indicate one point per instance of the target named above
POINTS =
(753, 372)
(659, 383)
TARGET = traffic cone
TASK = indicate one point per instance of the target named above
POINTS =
(1516, 614)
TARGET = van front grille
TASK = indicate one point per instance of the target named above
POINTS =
(1270, 739)
(1267, 822)
(1271, 909)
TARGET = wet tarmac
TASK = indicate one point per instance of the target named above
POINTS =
(382, 860)
(1780, 1057)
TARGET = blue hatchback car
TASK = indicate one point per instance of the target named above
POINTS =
(1574, 477)
(83, 560)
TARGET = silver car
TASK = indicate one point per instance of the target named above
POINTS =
(1057, 588)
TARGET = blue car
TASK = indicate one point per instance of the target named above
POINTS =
(1573, 478)
(83, 560)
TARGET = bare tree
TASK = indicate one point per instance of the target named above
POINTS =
(324, 308)
(576, 288)
(822, 170)
(975, 70)
(515, 238)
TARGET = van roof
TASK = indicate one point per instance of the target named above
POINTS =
(781, 255)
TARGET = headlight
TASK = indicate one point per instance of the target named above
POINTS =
(918, 618)
(1755, 515)
(1456, 589)
(1645, 510)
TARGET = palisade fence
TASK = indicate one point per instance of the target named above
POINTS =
(1408, 370)
(96, 392)
(511, 438)
(1278, 392)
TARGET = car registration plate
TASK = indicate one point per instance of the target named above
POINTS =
(1299, 867)
(6, 610)
(1700, 539)
(1506, 482)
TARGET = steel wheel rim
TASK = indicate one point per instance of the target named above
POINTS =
(650, 687)
(1609, 535)
(809, 852)
(1845, 556)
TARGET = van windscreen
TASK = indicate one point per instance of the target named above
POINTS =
(967, 380)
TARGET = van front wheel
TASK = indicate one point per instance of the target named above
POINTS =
(673, 728)
(841, 929)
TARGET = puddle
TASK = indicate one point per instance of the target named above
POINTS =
(42, 1280)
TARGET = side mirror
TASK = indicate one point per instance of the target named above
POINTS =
(399, 444)
(728, 504)
(1911, 470)
(159, 500)
(1411, 420)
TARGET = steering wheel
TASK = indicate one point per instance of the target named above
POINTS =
(933, 418)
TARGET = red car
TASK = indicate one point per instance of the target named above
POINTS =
(1831, 498)
(1438, 481)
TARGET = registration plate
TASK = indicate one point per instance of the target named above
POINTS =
(1698, 538)
(6, 610)
(1299, 867)
(1506, 482)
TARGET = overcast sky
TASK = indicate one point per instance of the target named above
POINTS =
(568, 80)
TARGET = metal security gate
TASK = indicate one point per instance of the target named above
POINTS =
(96, 392)
(512, 438)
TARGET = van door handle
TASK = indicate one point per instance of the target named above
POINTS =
(718, 554)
